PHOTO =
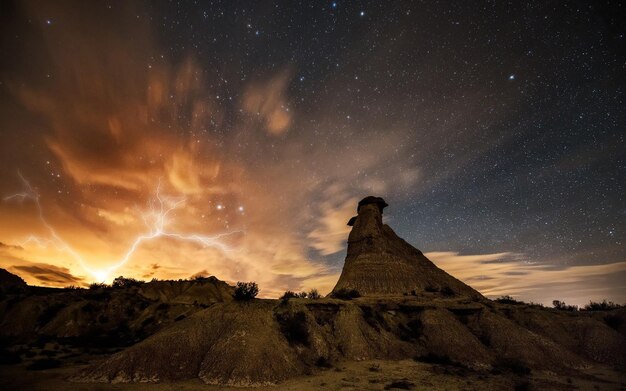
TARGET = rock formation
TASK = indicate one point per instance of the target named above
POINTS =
(381, 263)
(10, 283)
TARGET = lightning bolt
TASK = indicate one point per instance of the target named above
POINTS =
(156, 221)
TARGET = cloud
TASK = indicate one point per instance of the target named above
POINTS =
(267, 100)
(45, 274)
(117, 118)
(10, 246)
(512, 274)
(332, 231)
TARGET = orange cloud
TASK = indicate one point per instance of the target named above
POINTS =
(268, 101)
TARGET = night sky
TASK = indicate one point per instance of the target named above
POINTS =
(495, 131)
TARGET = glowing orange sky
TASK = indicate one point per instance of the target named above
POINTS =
(117, 118)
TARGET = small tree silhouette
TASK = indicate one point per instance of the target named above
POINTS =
(601, 306)
(98, 285)
(123, 282)
(246, 291)
(314, 294)
(560, 305)
(288, 295)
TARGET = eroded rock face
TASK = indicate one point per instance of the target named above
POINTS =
(381, 263)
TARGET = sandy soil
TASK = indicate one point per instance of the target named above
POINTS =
(361, 375)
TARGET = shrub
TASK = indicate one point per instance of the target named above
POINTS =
(302, 295)
(294, 328)
(123, 282)
(314, 294)
(288, 295)
(508, 300)
(98, 285)
(603, 306)
(346, 294)
(560, 305)
(246, 291)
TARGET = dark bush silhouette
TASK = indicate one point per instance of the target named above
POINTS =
(508, 300)
(98, 285)
(246, 291)
(346, 294)
(314, 294)
(302, 295)
(294, 328)
(288, 295)
(561, 306)
(123, 282)
(603, 306)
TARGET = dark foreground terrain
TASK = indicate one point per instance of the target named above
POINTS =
(351, 375)
(193, 335)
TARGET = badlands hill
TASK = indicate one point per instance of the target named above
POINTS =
(408, 309)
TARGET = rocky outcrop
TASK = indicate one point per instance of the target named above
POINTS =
(107, 315)
(10, 283)
(379, 262)
(205, 291)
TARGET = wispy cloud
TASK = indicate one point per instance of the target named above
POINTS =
(45, 274)
(512, 274)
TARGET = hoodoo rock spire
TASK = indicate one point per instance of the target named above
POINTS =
(381, 263)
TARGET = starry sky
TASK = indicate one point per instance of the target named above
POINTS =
(171, 139)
